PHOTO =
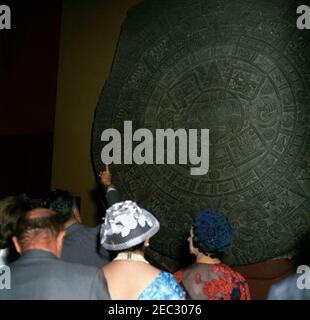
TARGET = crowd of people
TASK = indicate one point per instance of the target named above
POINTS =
(52, 255)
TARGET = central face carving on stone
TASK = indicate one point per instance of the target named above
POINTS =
(218, 110)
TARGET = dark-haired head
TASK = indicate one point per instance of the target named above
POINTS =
(63, 202)
(11, 209)
(139, 248)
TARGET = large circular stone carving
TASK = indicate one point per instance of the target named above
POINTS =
(242, 70)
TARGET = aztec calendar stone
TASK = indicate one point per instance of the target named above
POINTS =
(242, 70)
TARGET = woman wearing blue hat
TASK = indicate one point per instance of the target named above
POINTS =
(208, 278)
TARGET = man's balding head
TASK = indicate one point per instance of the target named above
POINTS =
(39, 229)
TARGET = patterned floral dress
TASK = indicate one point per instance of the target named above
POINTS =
(203, 281)
(164, 287)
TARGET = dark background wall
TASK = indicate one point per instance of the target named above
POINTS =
(89, 35)
(54, 62)
(28, 75)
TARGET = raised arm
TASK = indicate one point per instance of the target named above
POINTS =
(112, 194)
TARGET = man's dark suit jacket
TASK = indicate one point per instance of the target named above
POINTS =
(82, 245)
(113, 195)
(39, 275)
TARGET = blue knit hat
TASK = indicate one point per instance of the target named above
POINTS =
(213, 230)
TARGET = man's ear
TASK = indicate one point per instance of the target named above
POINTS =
(77, 215)
(17, 245)
(59, 243)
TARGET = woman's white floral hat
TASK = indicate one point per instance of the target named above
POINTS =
(126, 225)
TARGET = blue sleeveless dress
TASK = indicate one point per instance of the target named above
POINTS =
(164, 287)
